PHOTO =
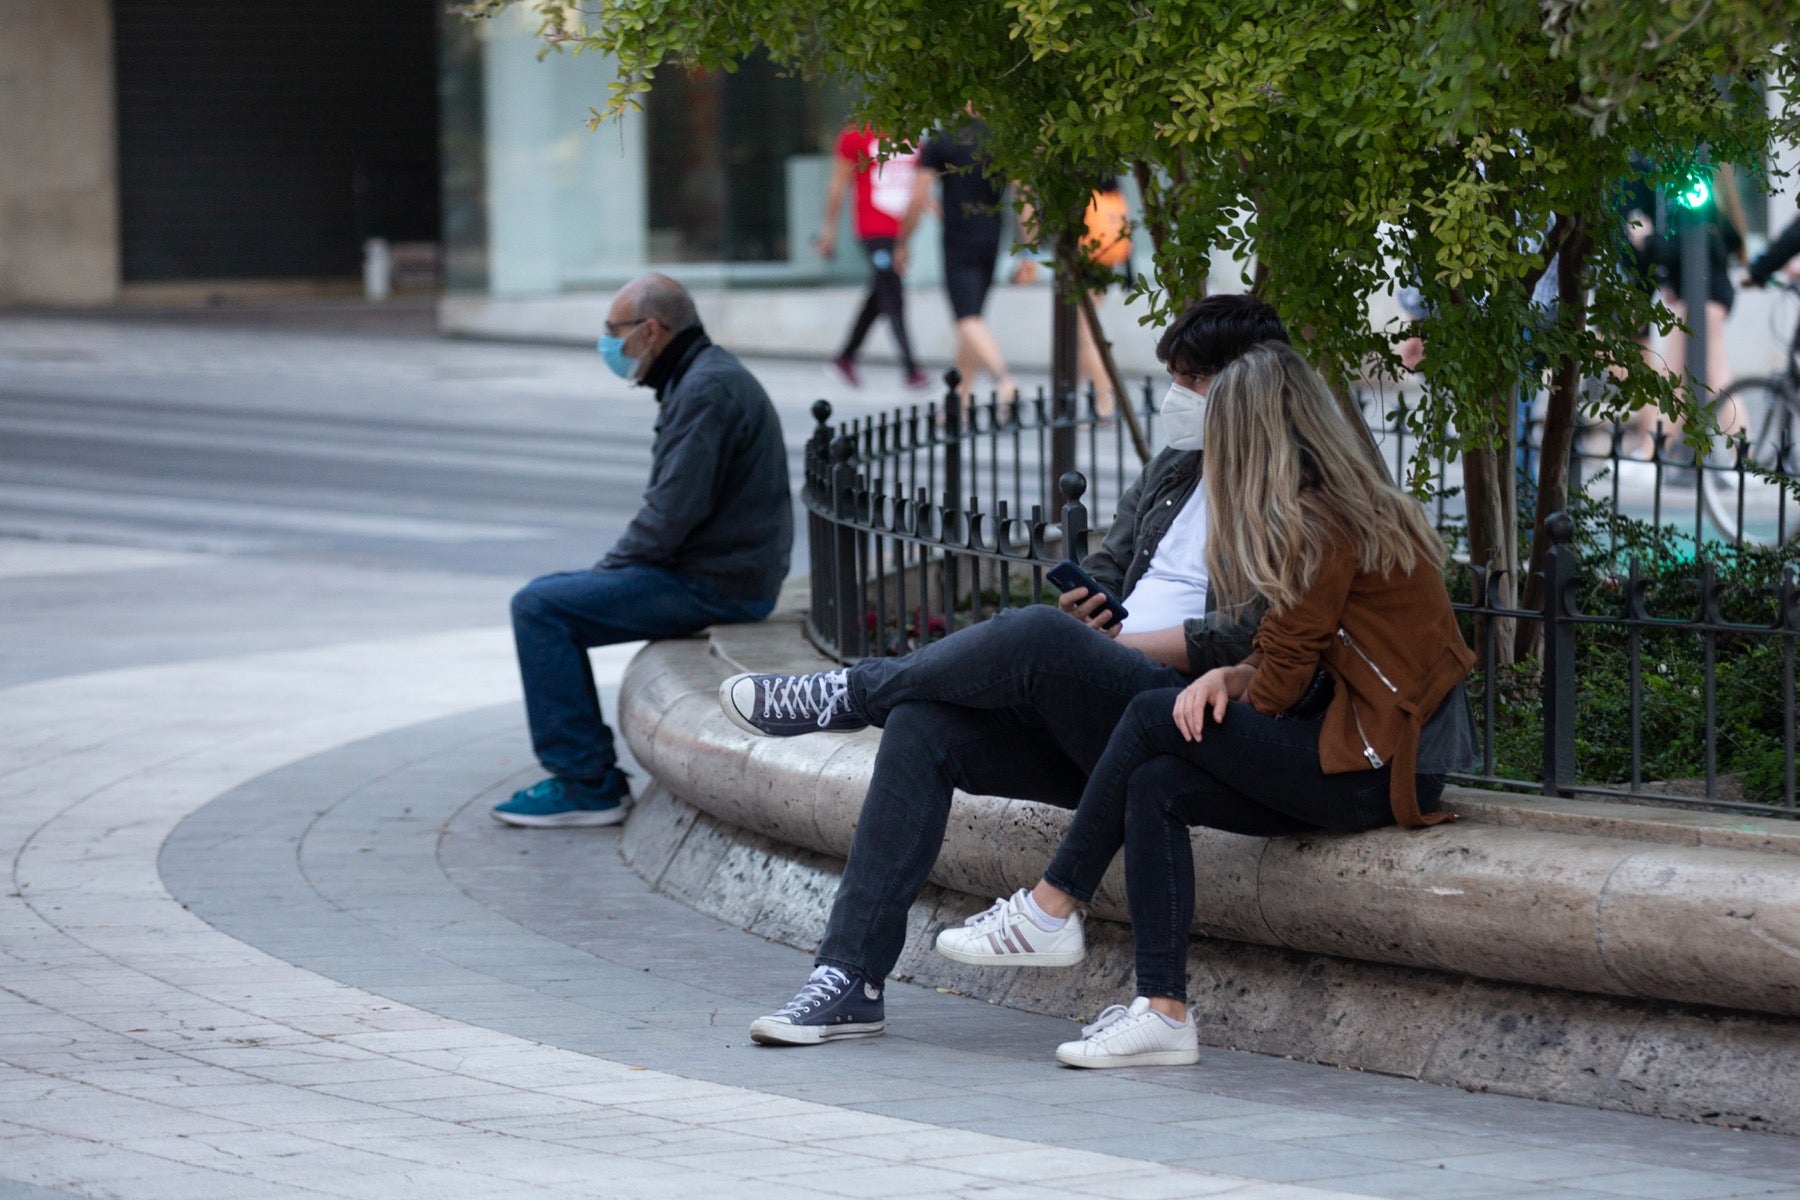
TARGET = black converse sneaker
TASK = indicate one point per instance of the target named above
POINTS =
(833, 1004)
(789, 705)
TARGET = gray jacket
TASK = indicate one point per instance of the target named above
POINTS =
(1146, 511)
(717, 509)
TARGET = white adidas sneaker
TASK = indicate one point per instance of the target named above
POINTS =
(1132, 1037)
(1006, 936)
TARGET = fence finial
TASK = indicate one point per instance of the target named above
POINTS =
(1072, 484)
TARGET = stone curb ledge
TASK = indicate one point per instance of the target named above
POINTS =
(1682, 907)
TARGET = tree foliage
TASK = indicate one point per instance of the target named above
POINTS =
(1345, 147)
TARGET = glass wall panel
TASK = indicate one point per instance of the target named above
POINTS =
(720, 142)
(463, 154)
(722, 170)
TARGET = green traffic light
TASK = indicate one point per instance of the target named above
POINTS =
(1697, 193)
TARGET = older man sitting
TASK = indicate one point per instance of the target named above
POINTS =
(709, 546)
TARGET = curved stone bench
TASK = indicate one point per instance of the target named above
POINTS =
(1576, 927)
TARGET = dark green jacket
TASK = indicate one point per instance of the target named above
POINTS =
(1146, 511)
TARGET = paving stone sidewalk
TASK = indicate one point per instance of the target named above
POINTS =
(144, 1052)
(259, 938)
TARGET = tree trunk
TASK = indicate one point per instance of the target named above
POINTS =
(1154, 225)
(1493, 524)
(1559, 426)
(1139, 442)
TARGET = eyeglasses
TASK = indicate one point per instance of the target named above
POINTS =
(622, 326)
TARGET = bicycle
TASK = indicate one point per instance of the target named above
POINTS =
(1742, 478)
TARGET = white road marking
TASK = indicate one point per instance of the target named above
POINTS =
(247, 513)
(23, 558)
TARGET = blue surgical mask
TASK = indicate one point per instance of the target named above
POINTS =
(1184, 418)
(612, 350)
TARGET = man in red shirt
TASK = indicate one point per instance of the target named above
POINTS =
(883, 189)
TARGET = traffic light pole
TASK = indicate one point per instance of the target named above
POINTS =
(1696, 285)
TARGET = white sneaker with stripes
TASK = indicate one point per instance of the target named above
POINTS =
(1006, 936)
(1132, 1037)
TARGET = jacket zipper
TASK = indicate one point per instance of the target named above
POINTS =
(1369, 751)
(1344, 637)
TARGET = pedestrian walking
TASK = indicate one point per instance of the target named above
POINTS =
(883, 187)
(1106, 242)
(954, 161)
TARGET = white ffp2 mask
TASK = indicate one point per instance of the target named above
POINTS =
(1184, 416)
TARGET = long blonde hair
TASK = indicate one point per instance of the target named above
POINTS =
(1287, 475)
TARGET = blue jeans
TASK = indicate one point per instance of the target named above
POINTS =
(1250, 774)
(1020, 705)
(556, 618)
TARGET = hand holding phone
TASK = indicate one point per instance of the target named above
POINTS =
(1068, 575)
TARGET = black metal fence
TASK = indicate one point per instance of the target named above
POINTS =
(936, 516)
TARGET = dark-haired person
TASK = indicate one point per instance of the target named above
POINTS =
(954, 160)
(1020, 705)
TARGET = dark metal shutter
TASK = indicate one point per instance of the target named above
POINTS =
(267, 140)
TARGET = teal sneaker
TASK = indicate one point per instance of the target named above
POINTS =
(558, 803)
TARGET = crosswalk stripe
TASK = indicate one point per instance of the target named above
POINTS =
(249, 513)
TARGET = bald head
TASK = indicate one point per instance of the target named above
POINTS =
(647, 314)
(660, 298)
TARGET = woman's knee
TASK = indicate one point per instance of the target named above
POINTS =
(1151, 791)
(1150, 710)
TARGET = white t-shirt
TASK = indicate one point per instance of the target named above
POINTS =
(1174, 588)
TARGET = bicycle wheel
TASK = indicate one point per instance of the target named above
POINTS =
(1742, 505)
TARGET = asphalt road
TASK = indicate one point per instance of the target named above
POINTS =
(401, 449)
(335, 470)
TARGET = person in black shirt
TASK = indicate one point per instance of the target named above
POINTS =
(1785, 246)
(973, 222)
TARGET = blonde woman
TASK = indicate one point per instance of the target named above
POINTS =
(1351, 573)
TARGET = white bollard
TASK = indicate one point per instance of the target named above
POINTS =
(378, 269)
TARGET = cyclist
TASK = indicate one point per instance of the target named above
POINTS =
(1785, 246)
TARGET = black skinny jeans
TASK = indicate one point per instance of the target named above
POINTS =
(1020, 705)
(1250, 774)
(886, 298)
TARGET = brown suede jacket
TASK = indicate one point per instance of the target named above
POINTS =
(1392, 647)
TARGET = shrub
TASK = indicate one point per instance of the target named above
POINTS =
(1670, 659)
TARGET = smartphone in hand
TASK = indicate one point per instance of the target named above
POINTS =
(1067, 575)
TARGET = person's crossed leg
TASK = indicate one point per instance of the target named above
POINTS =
(1020, 705)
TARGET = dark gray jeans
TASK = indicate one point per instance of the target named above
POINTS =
(1020, 705)
(1252, 775)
